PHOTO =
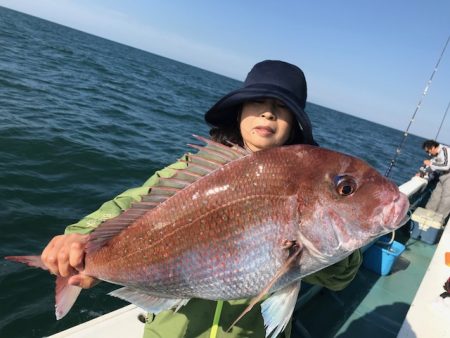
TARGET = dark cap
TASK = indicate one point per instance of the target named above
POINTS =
(267, 79)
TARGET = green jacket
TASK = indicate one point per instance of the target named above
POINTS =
(196, 318)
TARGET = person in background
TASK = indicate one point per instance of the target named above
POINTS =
(268, 111)
(440, 163)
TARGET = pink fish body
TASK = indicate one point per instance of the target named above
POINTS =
(234, 225)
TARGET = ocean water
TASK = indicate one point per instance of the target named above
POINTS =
(83, 119)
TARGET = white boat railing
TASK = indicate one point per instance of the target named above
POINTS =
(414, 185)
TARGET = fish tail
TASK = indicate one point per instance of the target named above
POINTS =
(65, 294)
(34, 261)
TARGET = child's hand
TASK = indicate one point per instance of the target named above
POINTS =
(64, 256)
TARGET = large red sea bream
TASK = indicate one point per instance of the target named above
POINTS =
(236, 224)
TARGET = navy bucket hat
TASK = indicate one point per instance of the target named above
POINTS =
(268, 79)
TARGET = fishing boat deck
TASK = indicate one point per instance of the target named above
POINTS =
(372, 305)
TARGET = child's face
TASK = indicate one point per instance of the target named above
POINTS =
(265, 123)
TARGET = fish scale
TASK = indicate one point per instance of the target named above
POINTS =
(209, 216)
(226, 248)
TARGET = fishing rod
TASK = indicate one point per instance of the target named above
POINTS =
(405, 134)
(442, 122)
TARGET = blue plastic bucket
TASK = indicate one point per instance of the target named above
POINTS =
(380, 257)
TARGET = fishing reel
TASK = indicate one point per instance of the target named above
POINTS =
(425, 171)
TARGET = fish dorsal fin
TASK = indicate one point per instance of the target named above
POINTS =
(209, 158)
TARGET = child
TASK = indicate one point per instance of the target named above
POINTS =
(268, 111)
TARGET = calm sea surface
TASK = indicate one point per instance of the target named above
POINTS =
(83, 119)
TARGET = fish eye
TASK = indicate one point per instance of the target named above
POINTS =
(345, 185)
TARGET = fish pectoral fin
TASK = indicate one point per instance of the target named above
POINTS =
(148, 302)
(278, 308)
(65, 296)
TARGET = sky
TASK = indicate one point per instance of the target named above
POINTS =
(371, 59)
